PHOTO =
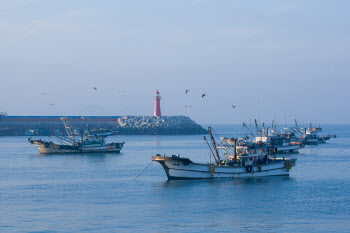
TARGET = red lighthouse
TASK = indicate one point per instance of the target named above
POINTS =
(157, 104)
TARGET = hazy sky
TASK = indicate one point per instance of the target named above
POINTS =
(269, 58)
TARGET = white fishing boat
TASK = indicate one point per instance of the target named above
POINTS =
(254, 162)
(177, 168)
(279, 144)
(88, 142)
(283, 142)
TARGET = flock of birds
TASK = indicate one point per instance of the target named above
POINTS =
(50, 104)
(203, 95)
(122, 92)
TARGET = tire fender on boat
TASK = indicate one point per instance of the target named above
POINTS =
(46, 144)
(288, 166)
(212, 170)
(249, 168)
(185, 162)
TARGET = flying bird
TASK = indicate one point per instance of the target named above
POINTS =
(44, 94)
(203, 95)
(95, 89)
(52, 105)
(188, 107)
(234, 106)
(187, 91)
(122, 92)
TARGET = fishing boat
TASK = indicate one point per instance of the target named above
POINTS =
(255, 161)
(88, 142)
(283, 142)
(312, 136)
(279, 144)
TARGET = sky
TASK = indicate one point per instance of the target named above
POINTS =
(281, 60)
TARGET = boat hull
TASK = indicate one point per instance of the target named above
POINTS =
(311, 141)
(52, 148)
(288, 149)
(176, 169)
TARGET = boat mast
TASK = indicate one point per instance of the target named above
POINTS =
(257, 127)
(205, 139)
(297, 128)
(235, 155)
(68, 129)
(214, 145)
(263, 131)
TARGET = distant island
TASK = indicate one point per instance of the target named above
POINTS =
(124, 125)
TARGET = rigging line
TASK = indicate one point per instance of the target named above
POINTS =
(143, 170)
(226, 145)
(215, 133)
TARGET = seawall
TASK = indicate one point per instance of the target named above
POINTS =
(125, 125)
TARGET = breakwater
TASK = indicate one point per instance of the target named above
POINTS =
(125, 125)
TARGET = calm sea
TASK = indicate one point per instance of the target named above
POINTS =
(97, 193)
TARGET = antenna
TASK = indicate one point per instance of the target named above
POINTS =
(250, 123)
(285, 120)
(257, 127)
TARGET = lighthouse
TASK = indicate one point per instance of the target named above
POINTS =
(157, 104)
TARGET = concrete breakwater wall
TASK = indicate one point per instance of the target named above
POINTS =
(125, 125)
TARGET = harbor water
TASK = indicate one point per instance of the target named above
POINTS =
(98, 193)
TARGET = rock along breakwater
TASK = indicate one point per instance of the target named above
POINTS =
(125, 125)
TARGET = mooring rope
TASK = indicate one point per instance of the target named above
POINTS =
(22, 150)
(143, 170)
(344, 148)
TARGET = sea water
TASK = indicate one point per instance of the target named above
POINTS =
(98, 193)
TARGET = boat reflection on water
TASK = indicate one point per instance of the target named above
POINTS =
(236, 183)
(156, 143)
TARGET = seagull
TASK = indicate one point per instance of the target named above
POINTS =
(95, 89)
(187, 91)
(234, 106)
(52, 105)
(203, 95)
(44, 94)
(188, 107)
(122, 92)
